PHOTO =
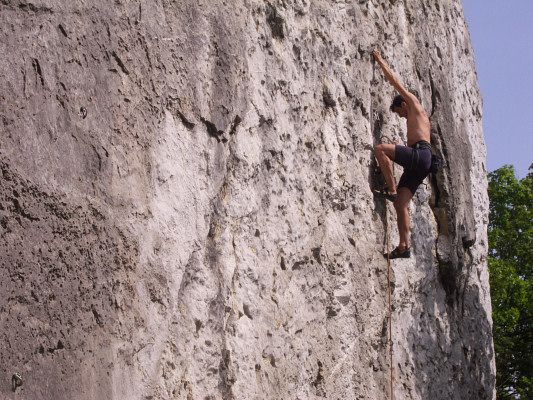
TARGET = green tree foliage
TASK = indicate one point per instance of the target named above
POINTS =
(511, 280)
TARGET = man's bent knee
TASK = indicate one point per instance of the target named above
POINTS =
(385, 150)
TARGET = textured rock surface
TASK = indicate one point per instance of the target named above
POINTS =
(186, 206)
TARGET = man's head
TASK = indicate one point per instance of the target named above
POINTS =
(399, 106)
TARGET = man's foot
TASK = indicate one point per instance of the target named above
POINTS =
(385, 194)
(397, 253)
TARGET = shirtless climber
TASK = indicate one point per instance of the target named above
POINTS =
(415, 159)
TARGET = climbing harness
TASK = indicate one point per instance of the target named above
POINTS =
(16, 380)
(377, 123)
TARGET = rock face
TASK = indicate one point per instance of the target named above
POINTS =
(186, 207)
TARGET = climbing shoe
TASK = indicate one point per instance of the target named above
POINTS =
(385, 194)
(397, 253)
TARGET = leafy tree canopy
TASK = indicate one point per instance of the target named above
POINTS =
(511, 280)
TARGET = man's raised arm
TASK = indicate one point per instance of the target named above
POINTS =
(393, 79)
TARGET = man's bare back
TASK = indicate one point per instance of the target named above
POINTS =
(418, 127)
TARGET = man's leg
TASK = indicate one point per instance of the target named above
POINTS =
(384, 154)
(402, 212)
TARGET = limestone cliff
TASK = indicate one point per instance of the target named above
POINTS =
(186, 207)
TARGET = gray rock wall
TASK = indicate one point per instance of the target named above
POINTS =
(186, 207)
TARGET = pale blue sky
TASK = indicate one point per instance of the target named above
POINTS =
(502, 36)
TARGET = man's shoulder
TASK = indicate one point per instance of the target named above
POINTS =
(411, 98)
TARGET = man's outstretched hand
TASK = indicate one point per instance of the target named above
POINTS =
(377, 55)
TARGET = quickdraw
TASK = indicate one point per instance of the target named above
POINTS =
(16, 380)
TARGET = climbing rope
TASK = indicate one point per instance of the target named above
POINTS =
(390, 307)
(374, 115)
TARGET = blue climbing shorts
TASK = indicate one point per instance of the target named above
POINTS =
(415, 160)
